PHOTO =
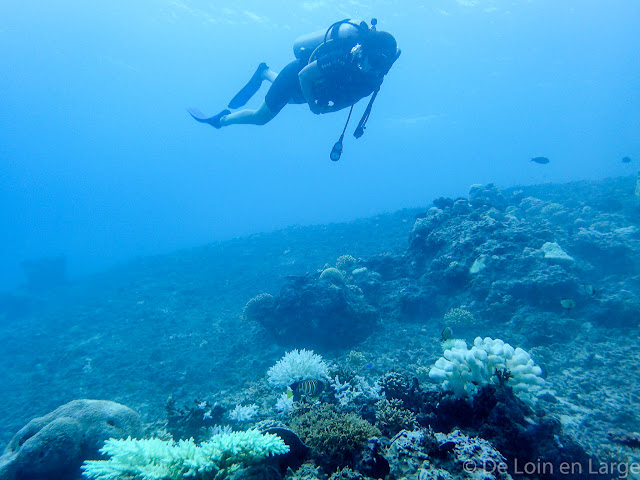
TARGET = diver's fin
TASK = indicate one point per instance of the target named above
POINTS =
(250, 89)
(214, 121)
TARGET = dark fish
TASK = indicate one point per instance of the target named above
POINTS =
(545, 371)
(626, 160)
(447, 334)
(540, 160)
(310, 388)
(297, 453)
(447, 446)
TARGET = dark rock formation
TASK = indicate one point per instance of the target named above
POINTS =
(322, 312)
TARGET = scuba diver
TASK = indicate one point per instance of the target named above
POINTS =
(333, 70)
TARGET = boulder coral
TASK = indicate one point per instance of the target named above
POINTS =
(54, 446)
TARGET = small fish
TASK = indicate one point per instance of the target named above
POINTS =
(447, 446)
(310, 388)
(540, 160)
(626, 159)
(590, 290)
(567, 303)
(447, 334)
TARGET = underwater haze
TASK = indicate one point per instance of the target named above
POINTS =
(100, 162)
(456, 298)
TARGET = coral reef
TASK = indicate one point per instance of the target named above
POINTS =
(422, 454)
(332, 276)
(355, 360)
(192, 421)
(519, 434)
(346, 473)
(460, 316)
(395, 386)
(476, 457)
(335, 438)
(555, 248)
(243, 413)
(322, 312)
(406, 455)
(356, 392)
(346, 263)
(391, 417)
(553, 269)
(307, 471)
(260, 306)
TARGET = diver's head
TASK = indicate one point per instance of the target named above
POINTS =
(381, 50)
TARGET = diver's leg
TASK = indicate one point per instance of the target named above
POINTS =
(249, 117)
(281, 91)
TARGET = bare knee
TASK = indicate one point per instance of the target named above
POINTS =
(264, 115)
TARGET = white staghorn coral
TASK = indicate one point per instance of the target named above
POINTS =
(156, 459)
(297, 365)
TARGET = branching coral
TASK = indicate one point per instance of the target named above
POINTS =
(295, 366)
(391, 417)
(334, 437)
(458, 316)
(156, 459)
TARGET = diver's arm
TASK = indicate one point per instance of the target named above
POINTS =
(308, 76)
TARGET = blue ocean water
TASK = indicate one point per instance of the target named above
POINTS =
(201, 259)
(99, 160)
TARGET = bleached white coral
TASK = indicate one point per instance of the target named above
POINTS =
(464, 370)
(297, 365)
(554, 252)
(243, 413)
(160, 459)
(284, 404)
(220, 430)
(347, 392)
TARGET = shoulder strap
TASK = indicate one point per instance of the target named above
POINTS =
(359, 131)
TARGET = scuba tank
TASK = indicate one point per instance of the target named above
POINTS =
(305, 45)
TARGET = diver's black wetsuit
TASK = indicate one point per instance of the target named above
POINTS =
(285, 88)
